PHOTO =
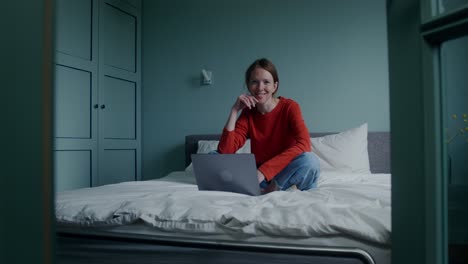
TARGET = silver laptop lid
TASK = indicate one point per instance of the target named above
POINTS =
(226, 172)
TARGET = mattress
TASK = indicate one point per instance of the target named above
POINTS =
(347, 210)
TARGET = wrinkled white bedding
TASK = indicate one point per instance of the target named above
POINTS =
(353, 205)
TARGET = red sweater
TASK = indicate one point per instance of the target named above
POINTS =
(276, 137)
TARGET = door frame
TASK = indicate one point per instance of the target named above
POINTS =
(419, 180)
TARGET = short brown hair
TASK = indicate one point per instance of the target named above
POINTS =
(264, 64)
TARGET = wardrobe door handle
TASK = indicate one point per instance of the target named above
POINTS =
(103, 106)
(96, 106)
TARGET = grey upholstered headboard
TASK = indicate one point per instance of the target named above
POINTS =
(378, 146)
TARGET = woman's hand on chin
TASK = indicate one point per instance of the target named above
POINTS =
(244, 101)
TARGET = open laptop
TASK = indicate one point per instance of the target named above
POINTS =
(226, 172)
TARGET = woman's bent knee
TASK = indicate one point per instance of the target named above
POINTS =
(309, 160)
(311, 164)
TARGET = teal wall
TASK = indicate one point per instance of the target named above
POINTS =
(333, 61)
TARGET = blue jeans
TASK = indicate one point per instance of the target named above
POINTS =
(303, 171)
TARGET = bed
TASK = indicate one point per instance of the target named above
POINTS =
(345, 220)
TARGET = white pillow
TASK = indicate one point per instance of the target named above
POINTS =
(345, 151)
(206, 146)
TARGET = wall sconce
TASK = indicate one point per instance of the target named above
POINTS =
(207, 77)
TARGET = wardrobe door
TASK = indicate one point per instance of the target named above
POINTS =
(119, 92)
(75, 94)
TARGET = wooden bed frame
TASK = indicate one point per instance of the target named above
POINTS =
(96, 245)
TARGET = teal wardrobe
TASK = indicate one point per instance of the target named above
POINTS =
(97, 98)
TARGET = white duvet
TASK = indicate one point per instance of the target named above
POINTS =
(354, 205)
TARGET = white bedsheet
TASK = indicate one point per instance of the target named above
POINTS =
(355, 205)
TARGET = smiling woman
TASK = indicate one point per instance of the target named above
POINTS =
(277, 132)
